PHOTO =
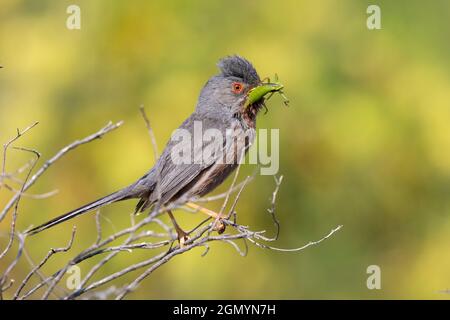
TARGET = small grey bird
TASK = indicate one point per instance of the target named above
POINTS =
(229, 103)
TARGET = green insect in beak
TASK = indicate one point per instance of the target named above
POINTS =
(265, 88)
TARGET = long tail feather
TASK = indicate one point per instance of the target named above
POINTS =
(113, 197)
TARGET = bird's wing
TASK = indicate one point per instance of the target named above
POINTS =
(175, 176)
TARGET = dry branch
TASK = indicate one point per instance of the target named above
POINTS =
(140, 235)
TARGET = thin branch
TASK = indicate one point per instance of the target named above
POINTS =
(32, 196)
(150, 132)
(6, 145)
(44, 261)
(13, 175)
(133, 237)
(97, 135)
(235, 246)
(98, 226)
(309, 244)
(272, 206)
(155, 154)
(238, 196)
(16, 206)
(11, 266)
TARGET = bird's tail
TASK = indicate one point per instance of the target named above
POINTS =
(113, 197)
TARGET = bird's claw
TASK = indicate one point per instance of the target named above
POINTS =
(220, 226)
(183, 237)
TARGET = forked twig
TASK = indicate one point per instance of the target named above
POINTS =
(142, 234)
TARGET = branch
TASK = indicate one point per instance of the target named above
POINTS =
(6, 146)
(109, 127)
(44, 261)
(140, 235)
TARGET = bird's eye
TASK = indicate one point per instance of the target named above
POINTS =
(237, 87)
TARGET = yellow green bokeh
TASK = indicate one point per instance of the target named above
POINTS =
(365, 142)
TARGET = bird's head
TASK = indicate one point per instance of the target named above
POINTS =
(237, 89)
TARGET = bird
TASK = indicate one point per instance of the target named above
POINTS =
(228, 103)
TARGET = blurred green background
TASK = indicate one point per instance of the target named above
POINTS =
(365, 142)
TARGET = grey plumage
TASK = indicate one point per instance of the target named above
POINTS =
(238, 67)
(217, 108)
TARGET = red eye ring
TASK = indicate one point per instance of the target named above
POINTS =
(237, 87)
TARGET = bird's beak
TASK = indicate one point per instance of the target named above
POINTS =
(258, 92)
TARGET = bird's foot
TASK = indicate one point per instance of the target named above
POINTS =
(220, 226)
(183, 237)
(201, 209)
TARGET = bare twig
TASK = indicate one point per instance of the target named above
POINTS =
(155, 154)
(150, 132)
(11, 266)
(271, 210)
(99, 227)
(6, 145)
(309, 244)
(14, 218)
(44, 261)
(132, 237)
(32, 196)
(97, 135)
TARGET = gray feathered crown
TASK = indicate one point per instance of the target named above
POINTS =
(236, 66)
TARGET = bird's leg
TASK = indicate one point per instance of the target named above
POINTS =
(219, 226)
(182, 235)
(208, 212)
